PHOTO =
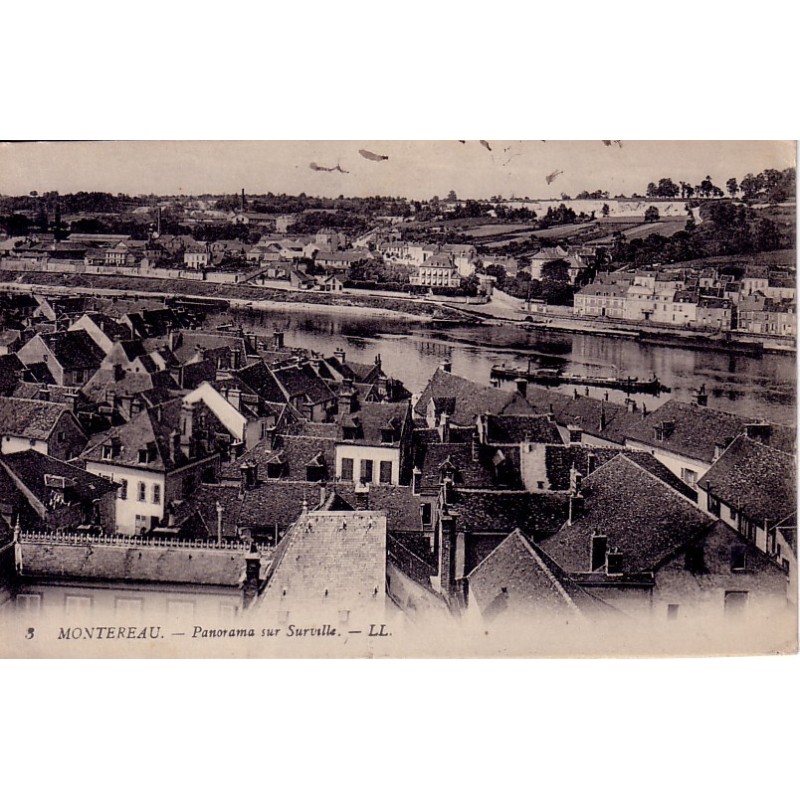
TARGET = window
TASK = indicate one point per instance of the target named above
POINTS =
(75, 604)
(695, 559)
(347, 469)
(128, 606)
(123, 490)
(672, 611)
(426, 512)
(713, 505)
(738, 558)
(141, 495)
(735, 604)
(689, 477)
(156, 493)
(386, 472)
(29, 603)
(141, 525)
(180, 609)
(366, 470)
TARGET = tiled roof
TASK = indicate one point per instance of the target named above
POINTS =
(755, 479)
(154, 425)
(471, 399)
(537, 515)
(29, 419)
(261, 379)
(642, 516)
(30, 467)
(586, 412)
(697, 429)
(513, 429)
(127, 562)
(517, 578)
(560, 459)
(74, 349)
(301, 380)
(333, 559)
(473, 473)
(372, 418)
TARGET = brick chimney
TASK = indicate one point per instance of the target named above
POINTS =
(444, 427)
(277, 340)
(252, 572)
(249, 472)
(362, 497)
(451, 554)
(701, 396)
(613, 561)
(522, 386)
(416, 480)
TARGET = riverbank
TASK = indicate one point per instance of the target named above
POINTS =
(238, 295)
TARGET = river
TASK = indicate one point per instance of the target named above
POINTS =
(411, 351)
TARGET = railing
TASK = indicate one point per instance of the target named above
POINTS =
(118, 540)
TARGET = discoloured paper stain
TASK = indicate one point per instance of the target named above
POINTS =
(553, 175)
(372, 156)
(317, 168)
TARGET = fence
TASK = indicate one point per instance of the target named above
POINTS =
(118, 540)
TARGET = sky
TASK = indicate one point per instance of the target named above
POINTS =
(413, 169)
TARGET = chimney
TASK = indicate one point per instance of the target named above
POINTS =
(175, 339)
(451, 554)
(323, 494)
(348, 397)
(613, 561)
(475, 450)
(249, 471)
(522, 386)
(340, 355)
(277, 340)
(220, 510)
(416, 480)
(362, 497)
(251, 576)
(446, 366)
(444, 427)
(186, 430)
(701, 396)
(175, 446)
(602, 416)
(598, 552)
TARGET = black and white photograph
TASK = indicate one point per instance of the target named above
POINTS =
(397, 399)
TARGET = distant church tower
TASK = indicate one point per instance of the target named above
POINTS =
(243, 205)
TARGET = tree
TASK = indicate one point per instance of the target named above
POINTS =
(750, 186)
(651, 215)
(668, 188)
(652, 190)
(556, 270)
(451, 196)
(605, 211)
(732, 186)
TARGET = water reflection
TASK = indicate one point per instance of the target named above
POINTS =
(410, 351)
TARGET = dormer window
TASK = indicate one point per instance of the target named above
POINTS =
(107, 452)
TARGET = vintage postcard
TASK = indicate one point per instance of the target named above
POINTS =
(397, 399)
